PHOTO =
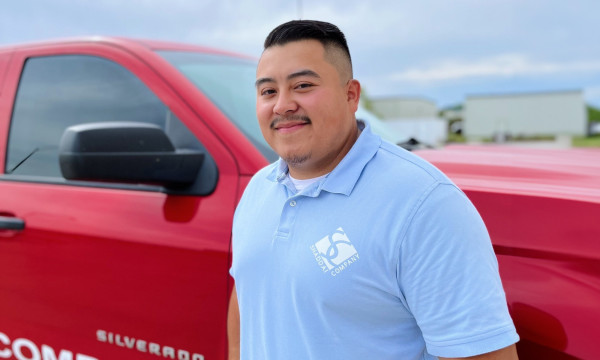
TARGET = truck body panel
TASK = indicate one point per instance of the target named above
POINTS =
(542, 209)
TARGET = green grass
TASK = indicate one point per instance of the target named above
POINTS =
(586, 141)
(455, 138)
(517, 138)
(534, 138)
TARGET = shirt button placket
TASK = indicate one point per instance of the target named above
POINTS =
(288, 216)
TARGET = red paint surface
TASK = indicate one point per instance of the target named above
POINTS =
(542, 209)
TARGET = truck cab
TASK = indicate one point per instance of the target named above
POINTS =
(107, 249)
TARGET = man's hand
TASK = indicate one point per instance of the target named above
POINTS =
(507, 353)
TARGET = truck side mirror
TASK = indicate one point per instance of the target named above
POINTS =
(126, 152)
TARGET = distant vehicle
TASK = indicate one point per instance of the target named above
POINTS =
(379, 127)
(121, 162)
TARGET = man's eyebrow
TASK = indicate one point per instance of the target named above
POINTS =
(261, 81)
(303, 73)
(289, 77)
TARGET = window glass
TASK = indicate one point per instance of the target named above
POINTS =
(229, 83)
(56, 92)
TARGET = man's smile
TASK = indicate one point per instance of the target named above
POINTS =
(289, 124)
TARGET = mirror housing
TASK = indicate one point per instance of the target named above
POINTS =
(127, 152)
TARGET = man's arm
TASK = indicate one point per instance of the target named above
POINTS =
(233, 327)
(507, 353)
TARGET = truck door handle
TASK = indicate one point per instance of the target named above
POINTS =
(11, 223)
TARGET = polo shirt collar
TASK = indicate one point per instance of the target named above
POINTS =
(344, 177)
(279, 171)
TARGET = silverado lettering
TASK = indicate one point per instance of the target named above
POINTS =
(145, 346)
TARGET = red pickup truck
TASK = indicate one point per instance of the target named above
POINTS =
(121, 163)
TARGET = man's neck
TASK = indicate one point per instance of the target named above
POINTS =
(308, 171)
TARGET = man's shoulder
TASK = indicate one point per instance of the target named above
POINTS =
(396, 176)
(403, 164)
(255, 189)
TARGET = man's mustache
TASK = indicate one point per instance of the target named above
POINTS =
(283, 119)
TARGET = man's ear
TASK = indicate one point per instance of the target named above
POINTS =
(353, 93)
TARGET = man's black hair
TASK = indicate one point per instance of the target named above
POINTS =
(328, 34)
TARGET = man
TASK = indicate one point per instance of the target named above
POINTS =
(349, 247)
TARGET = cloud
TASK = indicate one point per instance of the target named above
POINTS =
(394, 44)
(506, 65)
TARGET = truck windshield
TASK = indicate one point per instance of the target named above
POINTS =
(229, 83)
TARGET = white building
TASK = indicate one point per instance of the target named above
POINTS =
(404, 107)
(413, 117)
(551, 113)
(431, 131)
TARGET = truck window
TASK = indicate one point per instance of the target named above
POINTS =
(56, 92)
(229, 83)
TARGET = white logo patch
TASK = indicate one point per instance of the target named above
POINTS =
(334, 253)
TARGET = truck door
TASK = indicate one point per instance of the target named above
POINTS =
(107, 270)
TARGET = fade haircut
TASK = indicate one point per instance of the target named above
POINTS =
(329, 35)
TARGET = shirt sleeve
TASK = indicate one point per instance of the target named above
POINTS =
(448, 274)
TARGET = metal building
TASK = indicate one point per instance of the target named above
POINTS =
(405, 107)
(532, 114)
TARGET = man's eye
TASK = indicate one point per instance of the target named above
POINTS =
(267, 92)
(303, 86)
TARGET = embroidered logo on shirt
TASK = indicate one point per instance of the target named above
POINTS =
(334, 253)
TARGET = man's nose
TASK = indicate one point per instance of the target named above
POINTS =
(285, 103)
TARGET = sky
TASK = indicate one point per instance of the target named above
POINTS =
(440, 50)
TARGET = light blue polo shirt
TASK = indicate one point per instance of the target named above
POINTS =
(385, 258)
